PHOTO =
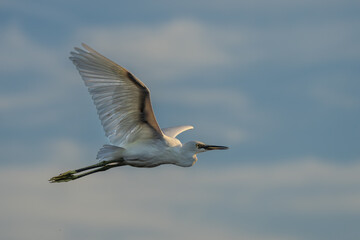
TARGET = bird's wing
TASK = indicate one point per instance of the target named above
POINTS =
(122, 101)
(174, 131)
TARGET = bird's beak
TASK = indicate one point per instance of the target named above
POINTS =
(214, 147)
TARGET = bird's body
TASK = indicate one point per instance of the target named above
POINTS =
(152, 153)
(124, 108)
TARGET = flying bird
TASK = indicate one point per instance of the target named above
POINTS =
(124, 108)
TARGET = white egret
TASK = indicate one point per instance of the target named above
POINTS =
(124, 108)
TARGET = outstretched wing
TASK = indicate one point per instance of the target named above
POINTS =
(174, 131)
(122, 101)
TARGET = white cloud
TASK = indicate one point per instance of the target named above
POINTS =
(173, 203)
(66, 150)
(300, 45)
(57, 151)
(182, 47)
(21, 53)
(25, 100)
(164, 50)
(38, 80)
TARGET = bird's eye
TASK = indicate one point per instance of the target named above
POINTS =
(199, 145)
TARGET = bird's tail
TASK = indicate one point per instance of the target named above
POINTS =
(110, 152)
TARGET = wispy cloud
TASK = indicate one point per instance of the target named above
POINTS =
(191, 199)
(166, 50)
(55, 151)
(19, 52)
(182, 47)
(36, 80)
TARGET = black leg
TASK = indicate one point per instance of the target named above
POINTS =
(100, 164)
(72, 174)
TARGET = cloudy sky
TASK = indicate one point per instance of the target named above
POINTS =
(276, 81)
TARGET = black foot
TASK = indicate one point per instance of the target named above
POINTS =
(64, 177)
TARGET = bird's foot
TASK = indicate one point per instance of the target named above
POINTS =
(64, 177)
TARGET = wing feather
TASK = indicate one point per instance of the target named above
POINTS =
(174, 131)
(122, 101)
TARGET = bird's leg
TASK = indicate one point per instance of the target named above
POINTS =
(101, 169)
(70, 175)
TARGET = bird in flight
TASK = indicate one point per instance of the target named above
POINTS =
(124, 108)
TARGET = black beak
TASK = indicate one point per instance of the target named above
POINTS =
(214, 147)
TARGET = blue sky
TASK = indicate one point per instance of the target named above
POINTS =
(277, 81)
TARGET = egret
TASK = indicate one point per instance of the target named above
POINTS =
(124, 108)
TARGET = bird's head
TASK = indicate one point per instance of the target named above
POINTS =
(196, 147)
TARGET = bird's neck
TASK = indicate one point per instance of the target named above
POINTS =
(187, 158)
(186, 161)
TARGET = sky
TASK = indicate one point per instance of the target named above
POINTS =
(276, 81)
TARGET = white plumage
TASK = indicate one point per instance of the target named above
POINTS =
(124, 108)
